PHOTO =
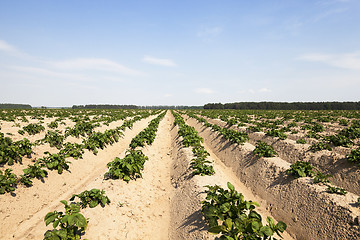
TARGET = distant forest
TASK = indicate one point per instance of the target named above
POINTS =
(104, 106)
(109, 106)
(286, 105)
(237, 105)
(14, 106)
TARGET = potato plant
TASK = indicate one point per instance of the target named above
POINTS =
(55, 162)
(301, 169)
(354, 156)
(33, 128)
(72, 224)
(320, 146)
(262, 149)
(54, 138)
(191, 138)
(91, 198)
(8, 181)
(11, 152)
(336, 190)
(73, 150)
(31, 172)
(127, 168)
(147, 136)
(228, 214)
(200, 163)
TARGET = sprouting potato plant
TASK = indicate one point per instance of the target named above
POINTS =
(228, 214)
(91, 198)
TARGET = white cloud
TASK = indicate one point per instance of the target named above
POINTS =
(94, 64)
(167, 95)
(347, 61)
(204, 91)
(11, 50)
(4, 46)
(47, 73)
(159, 61)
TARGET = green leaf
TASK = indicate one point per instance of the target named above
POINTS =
(93, 203)
(56, 223)
(80, 220)
(281, 226)
(217, 229)
(50, 217)
(230, 186)
(266, 230)
(228, 223)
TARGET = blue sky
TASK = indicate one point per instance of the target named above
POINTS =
(60, 53)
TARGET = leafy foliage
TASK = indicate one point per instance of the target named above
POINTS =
(354, 156)
(322, 178)
(54, 139)
(147, 136)
(55, 161)
(33, 128)
(92, 198)
(128, 167)
(320, 146)
(191, 138)
(11, 152)
(301, 141)
(199, 163)
(80, 129)
(72, 224)
(31, 172)
(340, 140)
(262, 149)
(53, 124)
(336, 190)
(228, 214)
(73, 150)
(8, 181)
(99, 140)
(276, 133)
(301, 169)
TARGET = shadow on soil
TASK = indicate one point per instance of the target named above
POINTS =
(196, 221)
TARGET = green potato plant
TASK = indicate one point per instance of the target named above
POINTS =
(228, 214)
(72, 224)
(92, 198)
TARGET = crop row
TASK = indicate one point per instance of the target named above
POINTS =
(225, 211)
(132, 164)
(191, 139)
(57, 161)
(73, 224)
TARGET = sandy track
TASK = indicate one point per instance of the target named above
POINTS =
(22, 215)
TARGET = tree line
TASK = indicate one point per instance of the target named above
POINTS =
(104, 106)
(286, 105)
(14, 106)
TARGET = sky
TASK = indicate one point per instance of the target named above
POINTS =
(188, 52)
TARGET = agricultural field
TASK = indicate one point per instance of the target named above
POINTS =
(185, 174)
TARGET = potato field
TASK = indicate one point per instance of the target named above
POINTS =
(179, 174)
